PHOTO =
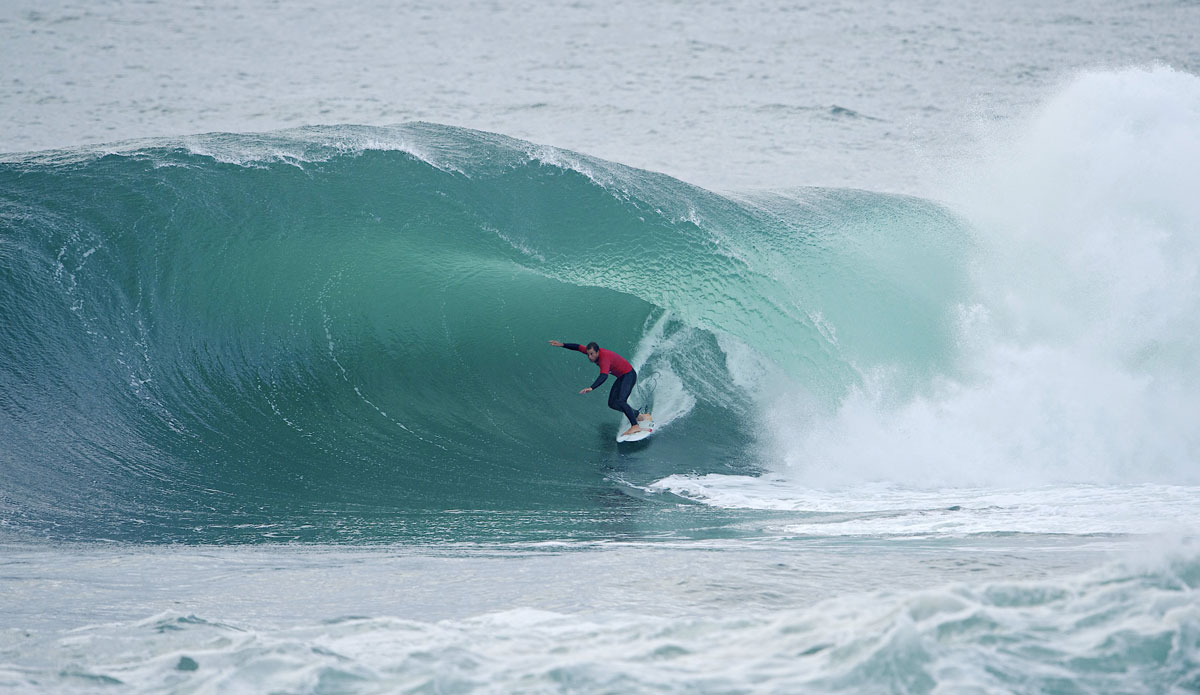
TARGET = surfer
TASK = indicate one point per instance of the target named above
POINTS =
(618, 395)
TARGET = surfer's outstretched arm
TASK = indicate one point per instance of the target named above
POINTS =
(595, 384)
(594, 354)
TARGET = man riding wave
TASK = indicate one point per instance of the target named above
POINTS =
(618, 395)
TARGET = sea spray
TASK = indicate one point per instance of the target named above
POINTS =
(1074, 350)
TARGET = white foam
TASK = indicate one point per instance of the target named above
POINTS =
(659, 385)
(1123, 627)
(888, 510)
(1077, 346)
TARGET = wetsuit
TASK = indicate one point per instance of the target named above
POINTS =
(618, 395)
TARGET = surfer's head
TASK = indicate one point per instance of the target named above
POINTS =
(593, 351)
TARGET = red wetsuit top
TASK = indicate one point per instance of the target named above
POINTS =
(608, 361)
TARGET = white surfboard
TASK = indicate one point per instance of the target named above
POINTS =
(647, 429)
(635, 437)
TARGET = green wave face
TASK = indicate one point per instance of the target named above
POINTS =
(356, 319)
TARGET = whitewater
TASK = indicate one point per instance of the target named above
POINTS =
(916, 314)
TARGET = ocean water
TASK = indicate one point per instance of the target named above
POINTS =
(913, 293)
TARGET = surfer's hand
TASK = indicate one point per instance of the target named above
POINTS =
(586, 390)
(556, 343)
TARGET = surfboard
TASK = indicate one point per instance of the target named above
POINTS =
(637, 436)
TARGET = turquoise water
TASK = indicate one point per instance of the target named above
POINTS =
(365, 329)
(278, 413)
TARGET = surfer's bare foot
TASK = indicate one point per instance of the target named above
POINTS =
(644, 417)
(632, 430)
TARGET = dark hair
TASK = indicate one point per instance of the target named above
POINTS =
(593, 346)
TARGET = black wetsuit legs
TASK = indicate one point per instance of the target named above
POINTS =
(618, 395)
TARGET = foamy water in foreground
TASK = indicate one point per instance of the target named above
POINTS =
(1003, 615)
